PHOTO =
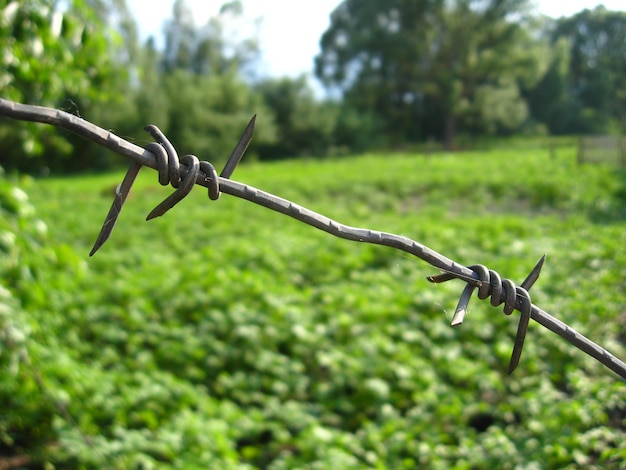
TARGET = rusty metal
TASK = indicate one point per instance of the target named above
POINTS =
(162, 157)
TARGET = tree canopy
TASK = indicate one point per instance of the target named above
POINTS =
(596, 79)
(65, 59)
(399, 72)
(430, 65)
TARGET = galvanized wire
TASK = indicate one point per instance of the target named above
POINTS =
(488, 282)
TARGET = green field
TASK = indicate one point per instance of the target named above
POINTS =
(224, 335)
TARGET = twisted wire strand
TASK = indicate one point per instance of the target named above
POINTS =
(499, 291)
(168, 167)
(449, 267)
(169, 172)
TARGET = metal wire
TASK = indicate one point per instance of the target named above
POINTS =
(489, 283)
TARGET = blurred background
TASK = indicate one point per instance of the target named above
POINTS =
(226, 336)
(325, 79)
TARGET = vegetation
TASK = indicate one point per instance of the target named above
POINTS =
(436, 69)
(55, 59)
(400, 74)
(594, 85)
(459, 62)
(226, 336)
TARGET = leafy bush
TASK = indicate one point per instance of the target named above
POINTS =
(227, 336)
(26, 419)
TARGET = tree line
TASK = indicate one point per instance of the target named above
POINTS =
(397, 72)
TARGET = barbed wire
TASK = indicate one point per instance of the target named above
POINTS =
(184, 173)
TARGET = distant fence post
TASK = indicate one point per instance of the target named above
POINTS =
(604, 149)
(581, 152)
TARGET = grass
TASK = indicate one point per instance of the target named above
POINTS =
(224, 335)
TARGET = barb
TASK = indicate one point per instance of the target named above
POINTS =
(239, 150)
(121, 192)
(500, 290)
(522, 327)
(488, 282)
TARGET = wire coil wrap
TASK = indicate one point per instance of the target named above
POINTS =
(500, 291)
(168, 165)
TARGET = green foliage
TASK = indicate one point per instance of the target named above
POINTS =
(425, 67)
(26, 420)
(194, 90)
(210, 113)
(401, 74)
(598, 63)
(53, 58)
(226, 336)
(308, 127)
(305, 127)
(206, 49)
(498, 108)
(548, 99)
(435, 69)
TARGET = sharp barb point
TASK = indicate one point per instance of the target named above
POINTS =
(461, 308)
(239, 150)
(534, 274)
(449, 275)
(121, 193)
(520, 336)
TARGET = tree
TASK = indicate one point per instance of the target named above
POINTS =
(63, 59)
(207, 49)
(308, 126)
(305, 125)
(549, 99)
(205, 115)
(204, 102)
(597, 67)
(428, 66)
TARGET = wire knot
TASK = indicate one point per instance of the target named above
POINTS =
(168, 166)
(500, 291)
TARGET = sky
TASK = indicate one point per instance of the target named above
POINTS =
(290, 30)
